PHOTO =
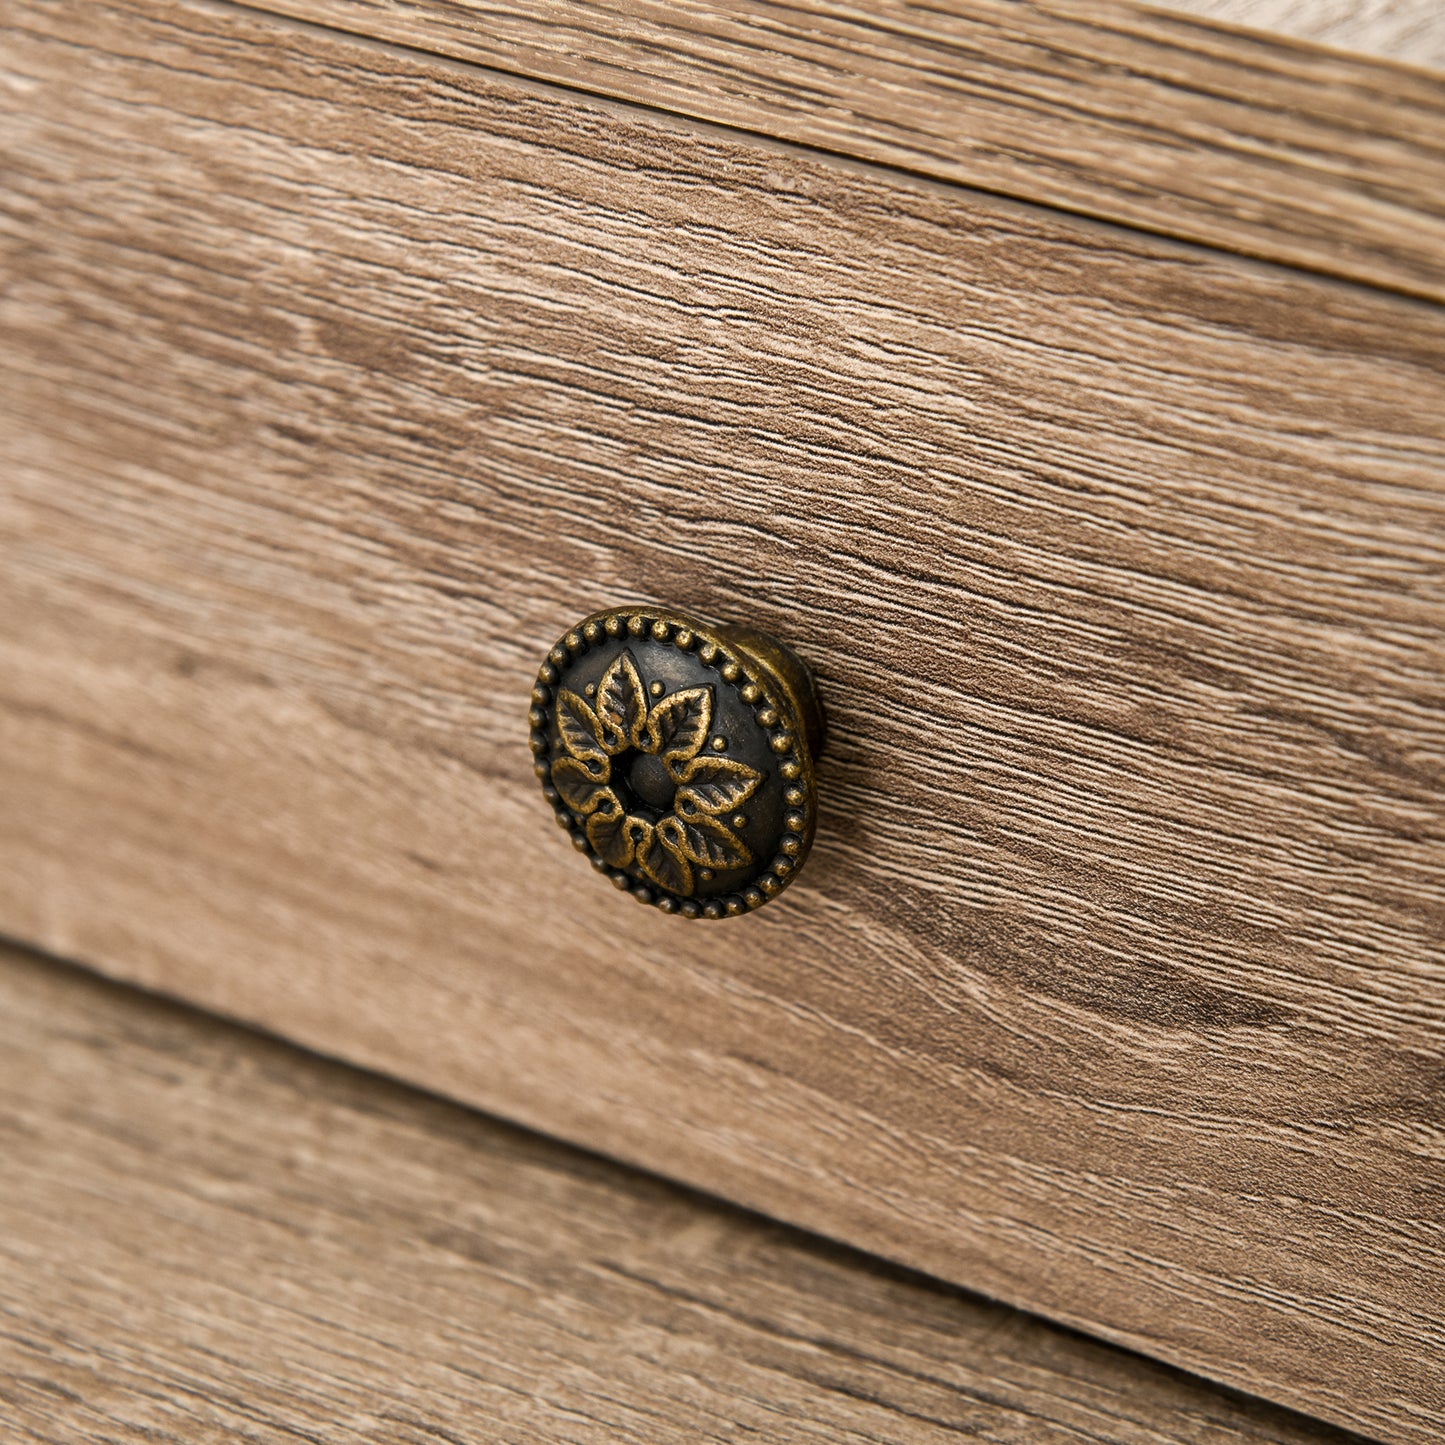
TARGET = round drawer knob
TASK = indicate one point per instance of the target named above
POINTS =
(679, 756)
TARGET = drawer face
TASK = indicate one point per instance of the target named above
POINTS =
(414, 1315)
(338, 382)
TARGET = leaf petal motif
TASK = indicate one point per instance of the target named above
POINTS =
(706, 842)
(621, 706)
(664, 862)
(580, 731)
(581, 789)
(716, 785)
(678, 725)
(616, 836)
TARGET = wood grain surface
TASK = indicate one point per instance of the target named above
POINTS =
(1410, 31)
(1250, 142)
(338, 382)
(210, 1237)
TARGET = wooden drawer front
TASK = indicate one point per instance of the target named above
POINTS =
(337, 381)
(411, 1313)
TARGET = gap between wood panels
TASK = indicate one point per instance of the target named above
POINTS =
(1256, 145)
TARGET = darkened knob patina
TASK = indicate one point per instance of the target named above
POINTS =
(679, 755)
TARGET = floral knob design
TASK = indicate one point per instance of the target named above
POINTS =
(680, 757)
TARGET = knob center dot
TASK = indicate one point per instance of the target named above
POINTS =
(644, 787)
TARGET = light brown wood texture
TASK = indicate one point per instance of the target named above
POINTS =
(338, 382)
(208, 1236)
(1410, 31)
(1185, 128)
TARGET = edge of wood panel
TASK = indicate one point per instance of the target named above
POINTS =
(1254, 143)
(1409, 31)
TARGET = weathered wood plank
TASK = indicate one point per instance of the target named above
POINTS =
(338, 381)
(1160, 120)
(207, 1236)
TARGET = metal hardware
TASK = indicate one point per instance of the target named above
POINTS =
(679, 756)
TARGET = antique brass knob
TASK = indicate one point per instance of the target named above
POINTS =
(679, 756)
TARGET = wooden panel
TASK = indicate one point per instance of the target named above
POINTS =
(338, 382)
(397, 1269)
(1410, 31)
(1259, 145)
